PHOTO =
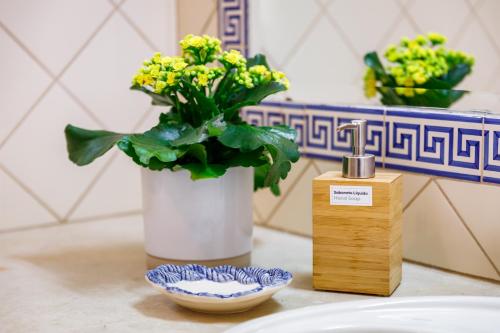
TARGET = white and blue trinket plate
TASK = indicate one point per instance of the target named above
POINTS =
(221, 289)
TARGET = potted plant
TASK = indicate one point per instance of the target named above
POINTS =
(202, 160)
(420, 72)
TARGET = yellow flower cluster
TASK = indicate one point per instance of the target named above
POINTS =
(260, 74)
(160, 72)
(200, 50)
(163, 74)
(204, 75)
(233, 58)
(417, 61)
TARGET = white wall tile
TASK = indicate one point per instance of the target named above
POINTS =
(488, 12)
(21, 84)
(265, 202)
(149, 16)
(276, 29)
(325, 165)
(36, 153)
(365, 22)
(18, 208)
(54, 29)
(313, 71)
(37, 40)
(433, 234)
(117, 190)
(295, 211)
(475, 42)
(444, 16)
(102, 75)
(478, 206)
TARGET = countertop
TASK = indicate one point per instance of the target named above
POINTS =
(88, 277)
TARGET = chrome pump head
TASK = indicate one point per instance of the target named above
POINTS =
(358, 164)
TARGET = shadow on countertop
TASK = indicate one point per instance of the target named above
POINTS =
(87, 268)
(158, 306)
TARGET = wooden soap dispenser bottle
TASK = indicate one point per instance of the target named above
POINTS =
(357, 217)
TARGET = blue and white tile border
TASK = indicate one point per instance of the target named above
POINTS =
(430, 141)
(233, 24)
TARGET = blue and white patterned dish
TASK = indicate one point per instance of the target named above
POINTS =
(222, 289)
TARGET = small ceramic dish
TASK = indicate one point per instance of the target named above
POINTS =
(221, 289)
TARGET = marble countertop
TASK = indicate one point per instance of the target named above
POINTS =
(88, 277)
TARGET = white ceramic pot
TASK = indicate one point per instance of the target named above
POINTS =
(202, 220)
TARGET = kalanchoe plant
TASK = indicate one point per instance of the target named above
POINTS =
(420, 72)
(202, 130)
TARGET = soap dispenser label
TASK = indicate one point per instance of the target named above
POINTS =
(350, 195)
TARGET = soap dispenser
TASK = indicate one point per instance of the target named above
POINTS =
(357, 221)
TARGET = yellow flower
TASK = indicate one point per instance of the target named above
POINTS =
(259, 69)
(260, 74)
(154, 70)
(202, 80)
(370, 86)
(200, 49)
(244, 79)
(166, 61)
(143, 79)
(160, 85)
(419, 78)
(233, 58)
(436, 39)
(421, 40)
(409, 92)
(179, 65)
(397, 71)
(192, 41)
(171, 78)
(156, 58)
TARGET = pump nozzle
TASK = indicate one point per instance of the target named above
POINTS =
(358, 135)
(359, 164)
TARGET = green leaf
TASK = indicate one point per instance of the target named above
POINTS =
(275, 189)
(258, 59)
(372, 60)
(154, 163)
(147, 147)
(200, 170)
(190, 135)
(167, 132)
(253, 158)
(389, 96)
(275, 140)
(84, 146)
(199, 152)
(246, 97)
(456, 75)
(157, 99)
(260, 174)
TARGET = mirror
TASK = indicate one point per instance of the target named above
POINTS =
(320, 45)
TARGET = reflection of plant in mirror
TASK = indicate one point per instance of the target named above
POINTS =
(203, 131)
(421, 72)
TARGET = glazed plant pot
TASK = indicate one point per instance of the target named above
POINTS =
(208, 221)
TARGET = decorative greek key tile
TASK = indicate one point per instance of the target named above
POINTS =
(442, 144)
(316, 125)
(324, 142)
(233, 24)
(491, 171)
